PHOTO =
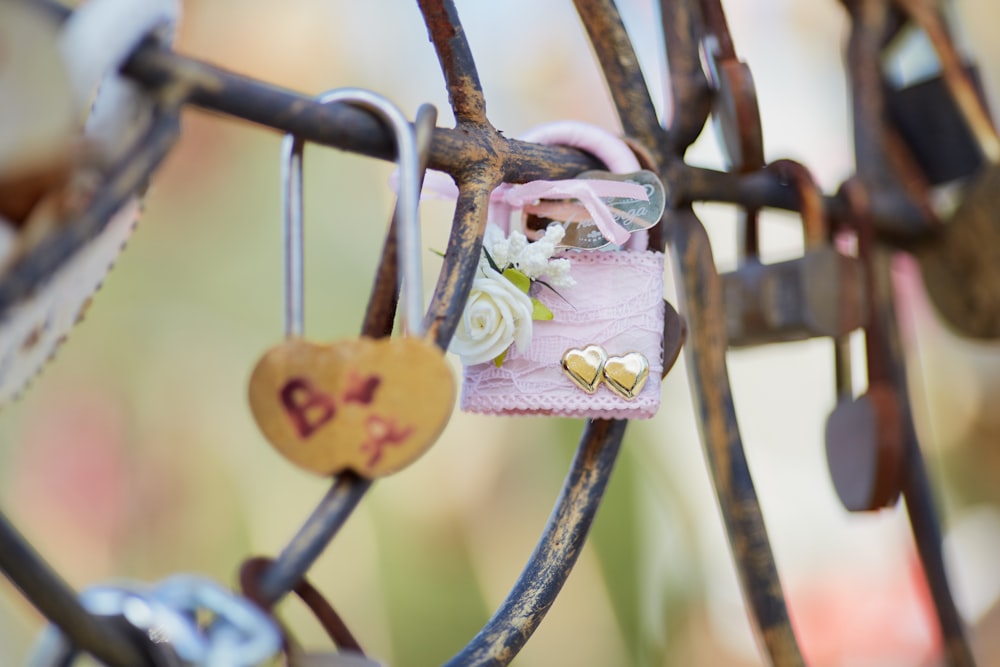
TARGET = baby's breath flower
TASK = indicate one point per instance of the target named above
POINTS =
(558, 273)
(497, 245)
(554, 234)
(516, 245)
(533, 262)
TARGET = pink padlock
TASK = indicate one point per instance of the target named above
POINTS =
(600, 354)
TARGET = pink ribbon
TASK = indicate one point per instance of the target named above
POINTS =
(589, 193)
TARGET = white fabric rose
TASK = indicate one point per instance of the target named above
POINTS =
(496, 315)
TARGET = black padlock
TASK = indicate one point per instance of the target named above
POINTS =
(921, 106)
(818, 294)
(864, 435)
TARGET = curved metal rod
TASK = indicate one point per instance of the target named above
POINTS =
(701, 298)
(916, 487)
(54, 598)
(313, 537)
(543, 576)
(249, 578)
(927, 534)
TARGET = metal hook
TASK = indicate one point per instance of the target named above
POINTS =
(292, 151)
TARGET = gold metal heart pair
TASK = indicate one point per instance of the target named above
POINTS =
(625, 375)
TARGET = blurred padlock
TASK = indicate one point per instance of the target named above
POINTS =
(36, 110)
(818, 294)
(922, 107)
(961, 264)
(864, 441)
(864, 435)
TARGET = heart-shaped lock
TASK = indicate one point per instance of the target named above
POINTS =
(369, 405)
(584, 366)
(626, 375)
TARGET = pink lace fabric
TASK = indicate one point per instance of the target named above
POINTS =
(617, 303)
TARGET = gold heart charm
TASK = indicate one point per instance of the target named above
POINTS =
(373, 406)
(626, 375)
(584, 366)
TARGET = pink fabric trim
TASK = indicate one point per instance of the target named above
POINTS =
(617, 303)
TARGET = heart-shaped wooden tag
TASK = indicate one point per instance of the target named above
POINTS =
(626, 375)
(373, 406)
(583, 366)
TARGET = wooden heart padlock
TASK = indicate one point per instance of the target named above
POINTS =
(365, 404)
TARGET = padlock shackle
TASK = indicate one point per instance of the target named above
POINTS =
(876, 345)
(408, 228)
(815, 227)
(843, 367)
(735, 112)
(717, 30)
(970, 104)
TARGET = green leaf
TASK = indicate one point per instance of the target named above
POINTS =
(521, 281)
(540, 311)
(554, 291)
(489, 259)
(437, 252)
(500, 357)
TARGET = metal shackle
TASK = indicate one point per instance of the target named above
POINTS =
(408, 229)
(815, 227)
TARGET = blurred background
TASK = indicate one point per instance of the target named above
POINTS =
(134, 454)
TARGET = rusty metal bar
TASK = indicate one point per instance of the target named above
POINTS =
(623, 75)
(690, 91)
(338, 125)
(465, 93)
(543, 577)
(54, 598)
(701, 298)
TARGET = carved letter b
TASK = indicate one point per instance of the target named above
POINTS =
(306, 406)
